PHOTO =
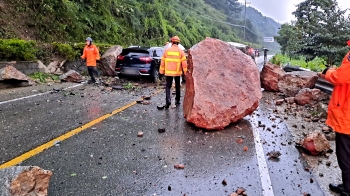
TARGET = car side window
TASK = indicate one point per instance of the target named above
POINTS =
(160, 53)
(154, 54)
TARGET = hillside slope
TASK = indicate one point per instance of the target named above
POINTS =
(123, 22)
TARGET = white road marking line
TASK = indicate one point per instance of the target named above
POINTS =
(263, 169)
(30, 96)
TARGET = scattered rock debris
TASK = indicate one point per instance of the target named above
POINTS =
(179, 166)
(140, 134)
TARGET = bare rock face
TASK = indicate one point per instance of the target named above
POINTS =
(43, 67)
(71, 76)
(308, 96)
(270, 75)
(316, 143)
(108, 60)
(24, 180)
(222, 85)
(292, 82)
(11, 73)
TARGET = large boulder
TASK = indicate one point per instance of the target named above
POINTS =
(10, 77)
(71, 76)
(292, 82)
(270, 75)
(222, 85)
(11, 73)
(24, 180)
(108, 60)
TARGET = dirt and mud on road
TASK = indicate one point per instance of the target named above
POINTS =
(302, 120)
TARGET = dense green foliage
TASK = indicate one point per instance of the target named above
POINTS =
(14, 49)
(317, 64)
(321, 30)
(125, 22)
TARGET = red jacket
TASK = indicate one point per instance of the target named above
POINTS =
(339, 104)
(91, 54)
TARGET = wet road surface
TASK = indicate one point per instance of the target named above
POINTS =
(109, 158)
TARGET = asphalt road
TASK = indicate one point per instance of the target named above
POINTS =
(107, 157)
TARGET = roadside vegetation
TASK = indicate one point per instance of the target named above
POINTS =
(43, 77)
(320, 31)
(317, 64)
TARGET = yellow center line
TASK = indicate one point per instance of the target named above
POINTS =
(73, 132)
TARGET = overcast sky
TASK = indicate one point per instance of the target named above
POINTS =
(281, 10)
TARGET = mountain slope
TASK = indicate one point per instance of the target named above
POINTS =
(123, 22)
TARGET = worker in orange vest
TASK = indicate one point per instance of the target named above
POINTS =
(91, 55)
(172, 64)
(339, 119)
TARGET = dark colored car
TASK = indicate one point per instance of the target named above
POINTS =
(140, 61)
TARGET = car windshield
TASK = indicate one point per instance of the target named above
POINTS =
(135, 53)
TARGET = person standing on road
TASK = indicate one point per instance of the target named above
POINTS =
(265, 55)
(172, 65)
(91, 55)
(339, 119)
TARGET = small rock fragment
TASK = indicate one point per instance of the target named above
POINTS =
(179, 166)
(239, 141)
(240, 191)
(140, 134)
(224, 182)
(245, 148)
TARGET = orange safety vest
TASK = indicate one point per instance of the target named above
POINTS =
(173, 62)
(91, 54)
(339, 104)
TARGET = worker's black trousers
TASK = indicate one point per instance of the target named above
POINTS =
(92, 70)
(169, 82)
(342, 143)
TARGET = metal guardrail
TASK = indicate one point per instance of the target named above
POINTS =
(324, 85)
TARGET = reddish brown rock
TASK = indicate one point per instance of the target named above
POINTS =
(11, 73)
(108, 60)
(222, 85)
(308, 96)
(32, 181)
(270, 75)
(71, 76)
(292, 82)
(316, 143)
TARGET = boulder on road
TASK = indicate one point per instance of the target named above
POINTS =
(71, 76)
(108, 60)
(11, 77)
(308, 96)
(24, 180)
(222, 85)
(270, 75)
(11, 73)
(292, 82)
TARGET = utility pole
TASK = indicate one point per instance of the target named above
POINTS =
(245, 15)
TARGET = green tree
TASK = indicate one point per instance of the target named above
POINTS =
(324, 29)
